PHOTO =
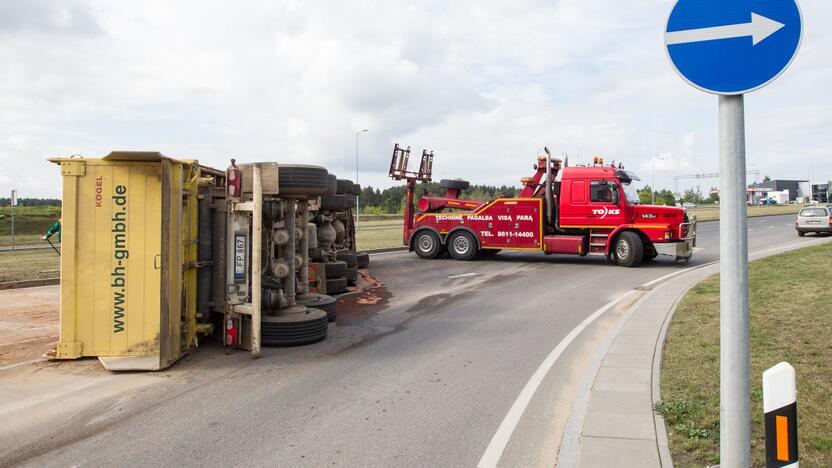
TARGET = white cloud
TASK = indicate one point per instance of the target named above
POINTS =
(485, 84)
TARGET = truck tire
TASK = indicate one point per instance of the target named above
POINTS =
(294, 329)
(454, 184)
(349, 258)
(337, 202)
(356, 190)
(363, 259)
(336, 285)
(326, 303)
(628, 249)
(801, 234)
(427, 245)
(316, 253)
(344, 186)
(462, 245)
(335, 269)
(351, 276)
(331, 184)
(302, 180)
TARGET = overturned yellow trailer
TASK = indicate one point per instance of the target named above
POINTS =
(140, 271)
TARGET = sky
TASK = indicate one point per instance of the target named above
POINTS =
(484, 84)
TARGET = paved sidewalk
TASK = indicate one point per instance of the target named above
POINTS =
(612, 422)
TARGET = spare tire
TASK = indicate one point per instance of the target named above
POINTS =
(331, 184)
(344, 186)
(338, 202)
(457, 184)
(302, 180)
(356, 190)
(362, 259)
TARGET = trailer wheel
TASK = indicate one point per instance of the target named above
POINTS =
(335, 269)
(356, 189)
(351, 275)
(294, 329)
(326, 303)
(336, 285)
(462, 245)
(628, 249)
(344, 186)
(302, 180)
(427, 244)
(337, 202)
(331, 184)
(349, 257)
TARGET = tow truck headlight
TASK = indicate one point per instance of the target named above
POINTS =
(667, 235)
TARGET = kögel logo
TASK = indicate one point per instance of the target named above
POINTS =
(605, 211)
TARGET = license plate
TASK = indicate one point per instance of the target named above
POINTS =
(240, 257)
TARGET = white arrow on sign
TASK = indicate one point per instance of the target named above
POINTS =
(759, 28)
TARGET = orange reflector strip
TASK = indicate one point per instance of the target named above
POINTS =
(782, 428)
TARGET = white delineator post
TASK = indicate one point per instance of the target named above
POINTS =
(734, 404)
(780, 411)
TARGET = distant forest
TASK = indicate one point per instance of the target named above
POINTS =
(391, 200)
(31, 201)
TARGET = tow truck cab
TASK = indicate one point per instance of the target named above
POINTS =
(590, 210)
(601, 203)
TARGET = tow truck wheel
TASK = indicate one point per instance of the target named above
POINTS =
(427, 245)
(462, 246)
(628, 249)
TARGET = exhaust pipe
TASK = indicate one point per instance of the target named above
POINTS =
(548, 186)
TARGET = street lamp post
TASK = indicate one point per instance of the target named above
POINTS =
(357, 206)
(653, 183)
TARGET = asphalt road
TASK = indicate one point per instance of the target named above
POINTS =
(422, 374)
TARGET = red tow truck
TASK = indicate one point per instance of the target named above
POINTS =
(578, 210)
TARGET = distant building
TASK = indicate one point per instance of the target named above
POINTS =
(778, 189)
(822, 193)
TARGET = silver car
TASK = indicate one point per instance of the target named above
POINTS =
(814, 219)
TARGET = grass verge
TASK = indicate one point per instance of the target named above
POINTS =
(28, 265)
(791, 317)
(712, 213)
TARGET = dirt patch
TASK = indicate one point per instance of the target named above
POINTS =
(29, 323)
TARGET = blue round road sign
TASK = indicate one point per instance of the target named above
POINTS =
(732, 46)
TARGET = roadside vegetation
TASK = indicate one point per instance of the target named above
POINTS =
(30, 223)
(23, 265)
(791, 317)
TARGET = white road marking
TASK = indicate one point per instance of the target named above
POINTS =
(463, 275)
(498, 443)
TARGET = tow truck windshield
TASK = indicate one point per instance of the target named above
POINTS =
(631, 193)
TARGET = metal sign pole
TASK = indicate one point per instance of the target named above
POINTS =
(735, 413)
(13, 203)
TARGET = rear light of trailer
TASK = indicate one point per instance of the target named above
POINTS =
(231, 331)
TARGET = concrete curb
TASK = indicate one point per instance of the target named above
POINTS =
(664, 295)
(29, 283)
